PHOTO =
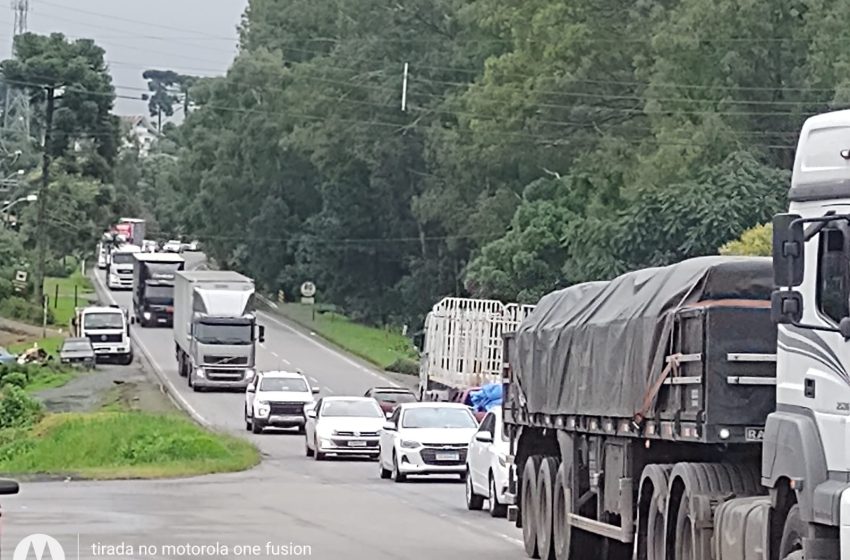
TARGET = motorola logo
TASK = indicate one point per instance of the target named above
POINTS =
(39, 547)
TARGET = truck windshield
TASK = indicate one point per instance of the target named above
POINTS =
(163, 295)
(207, 333)
(122, 258)
(438, 417)
(103, 321)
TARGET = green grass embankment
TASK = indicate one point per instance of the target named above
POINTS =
(385, 348)
(73, 291)
(116, 445)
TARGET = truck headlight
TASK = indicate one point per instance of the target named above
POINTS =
(263, 409)
(199, 372)
(250, 373)
(409, 444)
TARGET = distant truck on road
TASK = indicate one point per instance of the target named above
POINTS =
(132, 229)
(153, 287)
(119, 268)
(215, 329)
(108, 329)
(462, 344)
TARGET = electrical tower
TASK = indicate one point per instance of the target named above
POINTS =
(16, 116)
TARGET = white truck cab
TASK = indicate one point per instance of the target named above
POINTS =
(108, 328)
(277, 398)
(119, 269)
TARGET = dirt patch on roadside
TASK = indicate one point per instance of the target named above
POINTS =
(14, 332)
(112, 387)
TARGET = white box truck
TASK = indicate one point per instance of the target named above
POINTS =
(462, 344)
(108, 329)
(215, 329)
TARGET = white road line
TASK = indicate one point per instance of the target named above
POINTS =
(328, 349)
(477, 528)
(172, 389)
(314, 380)
(273, 353)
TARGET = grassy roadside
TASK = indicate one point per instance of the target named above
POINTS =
(384, 348)
(120, 445)
(63, 307)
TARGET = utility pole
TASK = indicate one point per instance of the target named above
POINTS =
(41, 235)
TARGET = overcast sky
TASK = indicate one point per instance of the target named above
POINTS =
(189, 36)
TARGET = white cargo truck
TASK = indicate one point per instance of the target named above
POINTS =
(120, 266)
(108, 329)
(462, 344)
(215, 329)
(699, 411)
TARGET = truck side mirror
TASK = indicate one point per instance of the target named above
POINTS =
(262, 329)
(786, 307)
(788, 243)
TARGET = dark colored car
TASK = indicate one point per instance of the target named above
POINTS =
(77, 351)
(390, 397)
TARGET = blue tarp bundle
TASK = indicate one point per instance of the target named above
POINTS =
(487, 397)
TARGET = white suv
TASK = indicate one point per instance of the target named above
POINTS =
(277, 399)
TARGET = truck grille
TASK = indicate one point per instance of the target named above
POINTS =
(430, 454)
(101, 338)
(230, 360)
(286, 408)
(358, 434)
(215, 374)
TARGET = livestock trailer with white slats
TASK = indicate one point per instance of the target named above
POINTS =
(463, 342)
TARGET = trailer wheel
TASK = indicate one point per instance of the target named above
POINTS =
(652, 514)
(528, 505)
(545, 495)
(792, 534)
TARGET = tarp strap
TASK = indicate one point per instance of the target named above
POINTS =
(652, 392)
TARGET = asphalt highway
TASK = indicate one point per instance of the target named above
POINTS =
(289, 506)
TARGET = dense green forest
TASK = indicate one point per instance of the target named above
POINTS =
(541, 143)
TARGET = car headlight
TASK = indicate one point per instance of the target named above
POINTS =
(263, 409)
(147, 314)
(199, 372)
(410, 444)
(249, 373)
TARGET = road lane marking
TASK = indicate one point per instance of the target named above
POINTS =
(314, 380)
(273, 353)
(328, 349)
(162, 375)
(287, 362)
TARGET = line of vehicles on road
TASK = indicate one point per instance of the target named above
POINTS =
(697, 411)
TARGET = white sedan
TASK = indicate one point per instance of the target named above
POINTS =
(486, 466)
(343, 426)
(426, 438)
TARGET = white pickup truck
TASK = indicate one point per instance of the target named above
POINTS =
(108, 328)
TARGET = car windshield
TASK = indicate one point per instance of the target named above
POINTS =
(76, 346)
(209, 333)
(358, 409)
(122, 258)
(103, 321)
(438, 417)
(283, 384)
(395, 397)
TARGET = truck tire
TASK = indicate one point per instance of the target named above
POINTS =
(528, 505)
(474, 502)
(256, 427)
(127, 359)
(792, 534)
(652, 518)
(545, 495)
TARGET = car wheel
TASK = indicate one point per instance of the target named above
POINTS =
(256, 427)
(474, 502)
(397, 475)
(247, 421)
(301, 429)
(318, 455)
(494, 507)
(307, 451)
(385, 473)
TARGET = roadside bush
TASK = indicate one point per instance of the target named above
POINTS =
(19, 308)
(17, 378)
(406, 366)
(58, 269)
(17, 409)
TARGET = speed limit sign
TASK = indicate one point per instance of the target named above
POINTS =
(308, 291)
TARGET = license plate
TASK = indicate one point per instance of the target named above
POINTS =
(448, 457)
(356, 444)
